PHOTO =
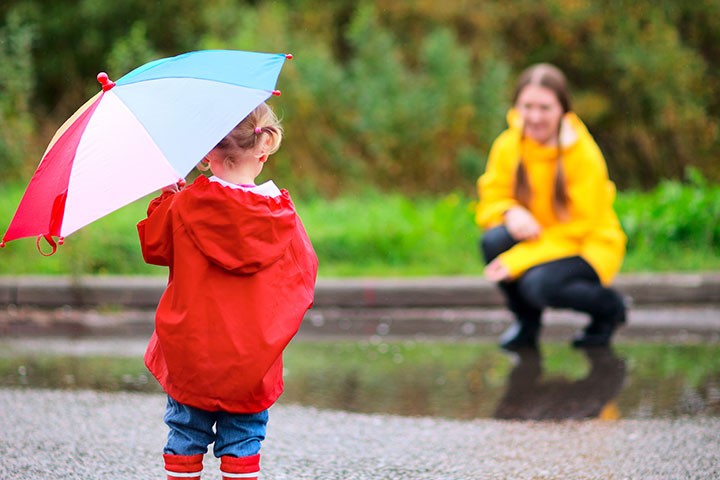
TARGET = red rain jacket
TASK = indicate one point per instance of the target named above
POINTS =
(242, 275)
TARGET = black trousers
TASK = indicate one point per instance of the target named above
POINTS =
(567, 283)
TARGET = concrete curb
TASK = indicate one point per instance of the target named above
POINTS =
(142, 292)
(667, 307)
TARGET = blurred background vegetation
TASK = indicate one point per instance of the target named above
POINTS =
(390, 109)
(406, 94)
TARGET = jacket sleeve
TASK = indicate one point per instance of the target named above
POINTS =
(155, 231)
(495, 186)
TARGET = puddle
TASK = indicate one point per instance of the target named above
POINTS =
(462, 380)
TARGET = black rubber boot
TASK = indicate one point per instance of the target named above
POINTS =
(600, 330)
(522, 335)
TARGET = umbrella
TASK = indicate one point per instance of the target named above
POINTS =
(138, 134)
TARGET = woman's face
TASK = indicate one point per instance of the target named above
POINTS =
(541, 112)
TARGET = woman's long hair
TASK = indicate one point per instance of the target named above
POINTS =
(550, 77)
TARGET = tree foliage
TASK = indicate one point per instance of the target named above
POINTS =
(403, 95)
(16, 87)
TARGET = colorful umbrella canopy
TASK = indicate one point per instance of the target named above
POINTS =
(139, 134)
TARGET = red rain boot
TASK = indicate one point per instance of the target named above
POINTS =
(184, 467)
(247, 468)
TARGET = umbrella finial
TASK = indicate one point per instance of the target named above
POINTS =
(105, 81)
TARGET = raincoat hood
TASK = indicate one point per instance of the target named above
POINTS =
(572, 128)
(242, 274)
(209, 211)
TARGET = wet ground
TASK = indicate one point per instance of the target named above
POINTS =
(368, 396)
(439, 378)
(87, 435)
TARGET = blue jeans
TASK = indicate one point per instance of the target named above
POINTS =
(191, 431)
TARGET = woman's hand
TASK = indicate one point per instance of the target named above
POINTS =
(521, 224)
(496, 271)
(175, 187)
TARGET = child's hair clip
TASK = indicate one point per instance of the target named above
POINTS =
(258, 130)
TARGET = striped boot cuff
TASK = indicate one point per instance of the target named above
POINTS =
(247, 468)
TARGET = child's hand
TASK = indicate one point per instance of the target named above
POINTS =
(175, 187)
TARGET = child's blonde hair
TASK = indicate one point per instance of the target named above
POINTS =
(249, 132)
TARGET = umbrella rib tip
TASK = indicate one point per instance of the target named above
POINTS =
(105, 81)
(289, 56)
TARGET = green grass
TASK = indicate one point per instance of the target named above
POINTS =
(672, 228)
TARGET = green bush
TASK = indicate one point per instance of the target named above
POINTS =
(402, 98)
(406, 96)
(677, 223)
(16, 86)
(671, 228)
(386, 120)
(385, 235)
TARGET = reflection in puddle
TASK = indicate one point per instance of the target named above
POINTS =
(478, 380)
(463, 380)
(529, 396)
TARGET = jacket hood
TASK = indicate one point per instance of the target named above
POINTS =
(238, 230)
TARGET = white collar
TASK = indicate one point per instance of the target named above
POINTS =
(268, 189)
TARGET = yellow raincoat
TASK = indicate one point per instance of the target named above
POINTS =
(592, 230)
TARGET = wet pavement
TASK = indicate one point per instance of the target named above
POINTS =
(92, 436)
(79, 434)
(669, 323)
(542, 429)
(441, 378)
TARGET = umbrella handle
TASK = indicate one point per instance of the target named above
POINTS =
(48, 238)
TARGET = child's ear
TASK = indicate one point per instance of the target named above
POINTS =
(260, 152)
(264, 147)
